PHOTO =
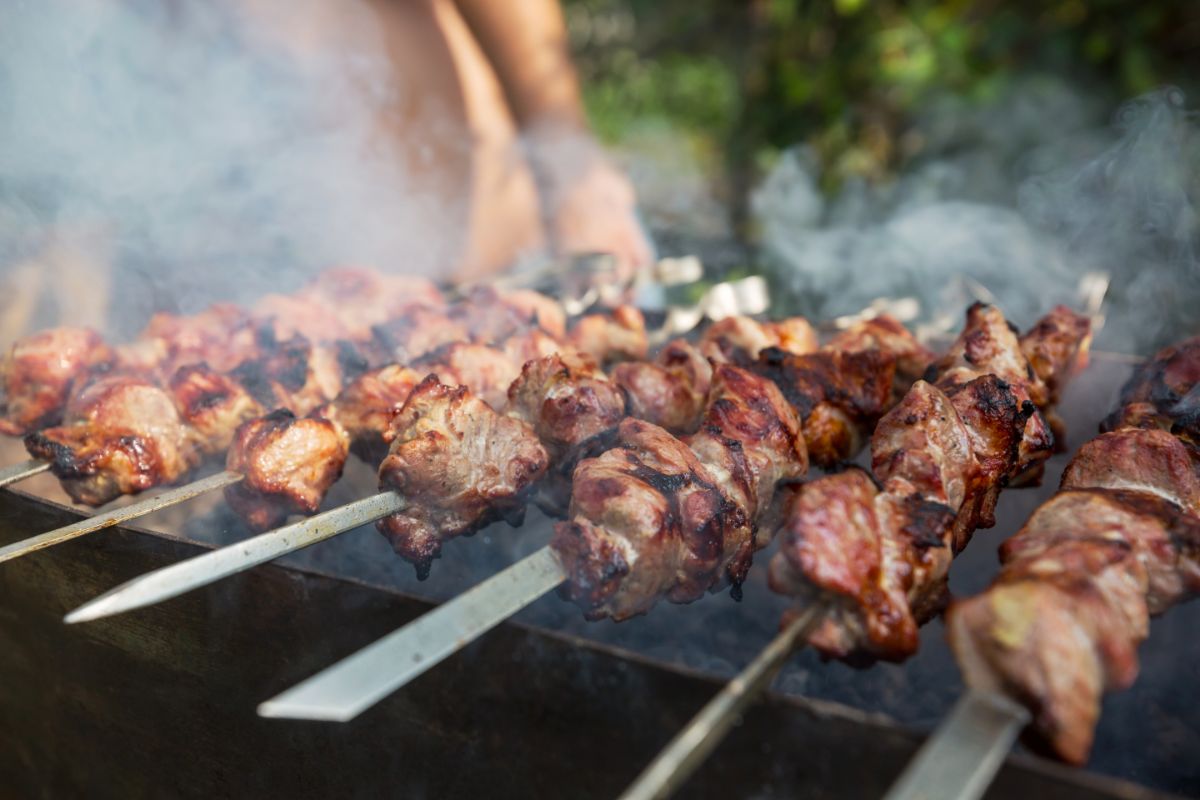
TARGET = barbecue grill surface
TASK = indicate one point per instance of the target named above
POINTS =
(161, 701)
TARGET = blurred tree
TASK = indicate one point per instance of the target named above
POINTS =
(740, 81)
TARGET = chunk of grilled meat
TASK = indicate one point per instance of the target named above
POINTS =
(287, 464)
(619, 335)
(290, 374)
(841, 390)
(459, 465)
(1118, 543)
(39, 372)
(658, 516)
(838, 395)
(364, 409)
(344, 303)
(574, 408)
(487, 370)
(221, 336)
(212, 405)
(120, 435)
(884, 333)
(1155, 394)
(739, 340)
(671, 390)
(879, 548)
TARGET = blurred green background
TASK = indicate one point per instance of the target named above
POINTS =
(720, 88)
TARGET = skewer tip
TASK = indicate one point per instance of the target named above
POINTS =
(282, 708)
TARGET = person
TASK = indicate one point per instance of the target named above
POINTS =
(502, 72)
(222, 150)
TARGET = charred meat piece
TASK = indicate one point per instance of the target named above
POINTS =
(573, 408)
(1118, 543)
(492, 316)
(417, 331)
(121, 435)
(287, 464)
(344, 303)
(486, 370)
(671, 390)
(458, 464)
(648, 521)
(364, 409)
(1154, 396)
(939, 459)
(619, 335)
(838, 395)
(739, 340)
(212, 405)
(658, 517)
(222, 336)
(287, 374)
(39, 372)
(885, 334)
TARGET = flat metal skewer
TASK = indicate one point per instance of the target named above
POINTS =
(168, 582)
(679, 759)
(959, 761)
(118, 515)
(354, 684)
(26, 469)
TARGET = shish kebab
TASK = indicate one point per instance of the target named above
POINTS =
(129, 434)
(1118, 543)
(456, 463)
(866, 555)
(656, 517)
(146, 385)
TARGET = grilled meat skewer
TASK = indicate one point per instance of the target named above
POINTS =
(106, 449)
(658, 516)
(878, 546)
(560, 392)
(289, 463)
(1118, 543)
(41, 371)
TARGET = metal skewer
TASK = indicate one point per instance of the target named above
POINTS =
(965, 752)
(19, 472)
(168, 582)
(691, 746)
(354, 684)
(118, 515)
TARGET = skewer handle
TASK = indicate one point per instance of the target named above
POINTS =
(354, 684)
(19, 472)
(965, 752)
(174, 580)
(691, 746)
(118, 515)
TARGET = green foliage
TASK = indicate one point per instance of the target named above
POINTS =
(847, 77)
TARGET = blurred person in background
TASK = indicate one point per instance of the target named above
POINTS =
(192, 147)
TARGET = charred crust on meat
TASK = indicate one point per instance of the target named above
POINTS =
(926, 521)
(350, 360)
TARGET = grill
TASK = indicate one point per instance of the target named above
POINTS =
(546, 705)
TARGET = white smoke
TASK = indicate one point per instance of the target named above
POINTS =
(995, 221)
(220, 168)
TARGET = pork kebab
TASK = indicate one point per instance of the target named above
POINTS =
(41, 372)
(1118, 543)
(558, 408)
(865, 556)
(654, 517)
(127, 431)
(878, 545)
(456, 463)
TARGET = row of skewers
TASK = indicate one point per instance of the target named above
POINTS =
(671, 472)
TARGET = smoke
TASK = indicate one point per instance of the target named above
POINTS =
(219, 164)
(1016, 203)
